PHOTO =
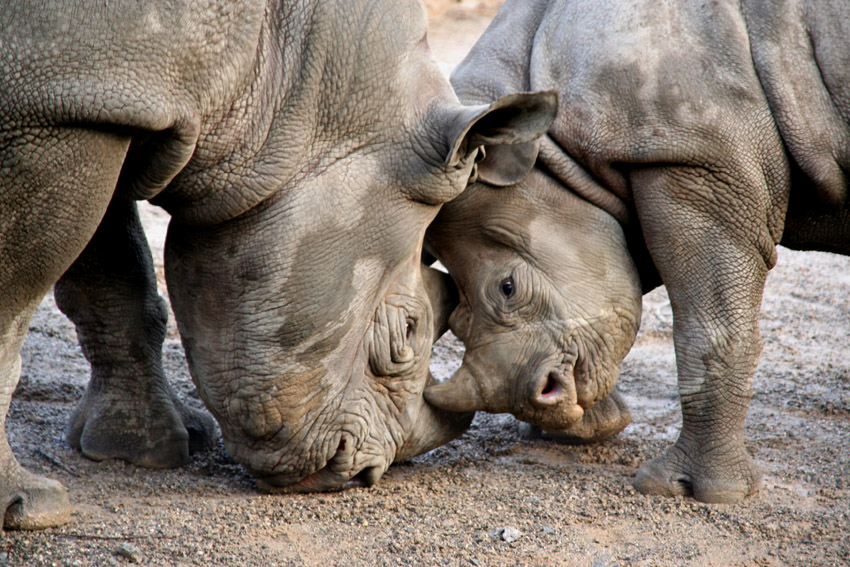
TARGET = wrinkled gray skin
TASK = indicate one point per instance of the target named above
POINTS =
(692, 137)
(301, 148)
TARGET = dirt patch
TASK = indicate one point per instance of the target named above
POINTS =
(491, 497)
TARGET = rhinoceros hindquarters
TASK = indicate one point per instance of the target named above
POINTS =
(39, 178)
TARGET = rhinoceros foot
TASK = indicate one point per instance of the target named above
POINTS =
(33, 502)
(153, 430)
(714, 474)
(605, 419)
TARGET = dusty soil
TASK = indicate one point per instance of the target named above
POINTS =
(492, 497)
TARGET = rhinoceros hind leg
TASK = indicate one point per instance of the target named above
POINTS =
(128, 411)
(605, 419)
(714, 262)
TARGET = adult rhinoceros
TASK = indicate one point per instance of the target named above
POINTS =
(301, 147)
(685, 128)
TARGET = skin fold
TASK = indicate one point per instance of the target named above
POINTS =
(691, 139)
(301, 148)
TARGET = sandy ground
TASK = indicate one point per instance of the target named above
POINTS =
(491, 497)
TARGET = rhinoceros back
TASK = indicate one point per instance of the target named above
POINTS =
(146, 70)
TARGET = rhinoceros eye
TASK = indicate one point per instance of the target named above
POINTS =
(507, 287)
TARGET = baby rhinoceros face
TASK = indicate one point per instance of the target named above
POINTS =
(549, 301)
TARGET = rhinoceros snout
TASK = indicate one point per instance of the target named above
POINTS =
(343, 469)
(553, 394)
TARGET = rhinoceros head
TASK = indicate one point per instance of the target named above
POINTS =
(308, 319)
(549, 297)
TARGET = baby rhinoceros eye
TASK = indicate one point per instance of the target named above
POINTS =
(507, 287)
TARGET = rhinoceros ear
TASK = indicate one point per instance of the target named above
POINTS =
(517, 119)
(507, 165)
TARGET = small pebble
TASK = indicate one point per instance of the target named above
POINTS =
(129, 552)
(510, 534)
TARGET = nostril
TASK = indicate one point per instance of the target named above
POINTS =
(549, 392)
(551, 386)
(341, 447)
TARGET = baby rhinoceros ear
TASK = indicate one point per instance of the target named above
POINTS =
(509, 130)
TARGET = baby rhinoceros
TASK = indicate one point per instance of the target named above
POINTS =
(692, 137)
(546, 312)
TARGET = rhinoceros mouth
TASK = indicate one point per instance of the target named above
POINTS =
(325, 479)
(337, 473)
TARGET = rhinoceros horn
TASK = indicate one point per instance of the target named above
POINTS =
(460, 393)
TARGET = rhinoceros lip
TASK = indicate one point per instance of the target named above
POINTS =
(336, 474)
(323, 480)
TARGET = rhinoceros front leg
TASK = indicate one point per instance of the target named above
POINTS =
(128, 410)
(709, 239)
(605, 419)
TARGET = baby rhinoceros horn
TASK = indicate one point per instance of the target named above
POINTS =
(460, 393)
